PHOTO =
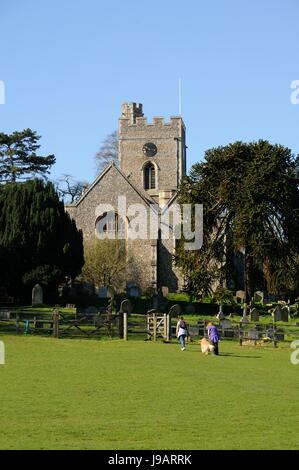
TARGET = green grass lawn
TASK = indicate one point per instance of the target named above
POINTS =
(78, 394)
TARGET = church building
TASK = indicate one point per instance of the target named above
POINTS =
(152, 162)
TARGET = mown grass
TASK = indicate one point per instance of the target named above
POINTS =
(61, 394)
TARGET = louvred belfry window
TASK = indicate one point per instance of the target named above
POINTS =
(149, 176)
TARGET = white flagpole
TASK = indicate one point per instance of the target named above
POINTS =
(180, 96)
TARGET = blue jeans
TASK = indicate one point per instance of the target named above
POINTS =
(182, 340)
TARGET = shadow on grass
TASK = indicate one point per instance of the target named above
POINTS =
(237, 355)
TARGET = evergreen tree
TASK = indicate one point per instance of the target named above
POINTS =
(18, 157)
(250, 198)
(40, 241)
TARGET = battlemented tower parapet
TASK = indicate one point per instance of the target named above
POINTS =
(131, 111)
(152, 153)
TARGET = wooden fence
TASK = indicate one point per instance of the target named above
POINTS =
(150, 326)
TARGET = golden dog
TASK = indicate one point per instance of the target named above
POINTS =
(206, 346)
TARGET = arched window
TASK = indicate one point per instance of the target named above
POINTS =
(149, 176)
(110, 225)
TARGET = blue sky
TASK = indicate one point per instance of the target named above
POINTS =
(68, 66)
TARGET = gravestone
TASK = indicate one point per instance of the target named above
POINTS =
(126, 306)
(285, 311)
(37, 296)
(277, 313)
(253, 335)
(241, 295)
(254, 315)
(220, 315)
(244, 318)
(133, 291)
(226, 325)
(103, 292)
(165, 291)
(5, 315)
(258, 297)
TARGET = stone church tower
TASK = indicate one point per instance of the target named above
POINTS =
(153, 155)
(152, 161)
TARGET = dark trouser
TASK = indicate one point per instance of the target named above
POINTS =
(215, 344)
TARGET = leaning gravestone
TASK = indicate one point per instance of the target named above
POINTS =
(277, 313)
(254, 315)
(37, 296)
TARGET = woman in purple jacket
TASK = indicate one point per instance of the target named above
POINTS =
(214, 336)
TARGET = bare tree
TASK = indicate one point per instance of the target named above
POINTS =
(108, 152)
(69, 188)
(106, 262)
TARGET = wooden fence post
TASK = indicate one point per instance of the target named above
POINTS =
(168, 326)
(155, 326)
(125, 321)
(274, 337)
(240, 334)
(165, 326)
(55, 324)
(148, 327)
(120, 325)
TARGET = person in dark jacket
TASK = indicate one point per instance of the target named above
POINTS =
(214, 336)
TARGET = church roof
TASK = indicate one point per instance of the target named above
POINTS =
(146, 198)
